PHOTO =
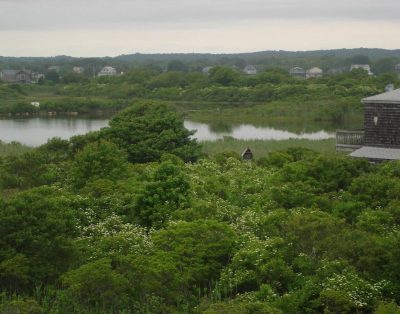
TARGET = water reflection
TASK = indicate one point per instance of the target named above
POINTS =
(36, 131)
(206, 132)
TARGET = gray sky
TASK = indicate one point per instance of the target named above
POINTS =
(113, 27)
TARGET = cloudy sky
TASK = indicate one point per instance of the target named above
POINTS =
(113, 27)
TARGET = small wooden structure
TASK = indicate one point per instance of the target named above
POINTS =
(380, 139)
(247, 154)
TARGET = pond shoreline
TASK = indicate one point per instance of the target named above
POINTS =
(36, 130)
(95, 113)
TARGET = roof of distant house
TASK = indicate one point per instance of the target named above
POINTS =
(391, 97)
(314, 70)
(297, 70)
(9, 71)
(108, 68)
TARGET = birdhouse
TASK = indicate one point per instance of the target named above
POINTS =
(247, 154)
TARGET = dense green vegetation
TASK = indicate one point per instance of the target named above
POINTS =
(133, 219)
(225, 92)
(381, 60)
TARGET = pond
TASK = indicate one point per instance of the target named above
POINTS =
(36, 131)
(213, 132)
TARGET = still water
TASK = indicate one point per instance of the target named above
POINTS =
(36, 131)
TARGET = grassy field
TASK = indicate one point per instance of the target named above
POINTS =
(261, 148)
(13, 148)
(323, 111)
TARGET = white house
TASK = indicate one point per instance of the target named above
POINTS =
(250, 70)
(36, 77)
(55, 68)
(365, 67)
(78, 70)
(297, 72)
(107, 71)
(314, 73)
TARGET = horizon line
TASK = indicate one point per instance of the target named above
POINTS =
(197, 53)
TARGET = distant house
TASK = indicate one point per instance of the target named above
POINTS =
(297, 72)
(365, 67)
(314, 73)
(16, 76)
(380, 139)
(107, 71)
(55, 68)
(78, 70)
(250, 70)
(36, 77)
(389, 87)
(337, 70)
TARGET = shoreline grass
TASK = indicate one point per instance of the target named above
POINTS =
(13, 148)
(262, 148)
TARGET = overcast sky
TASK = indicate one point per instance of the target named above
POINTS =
(114, 27)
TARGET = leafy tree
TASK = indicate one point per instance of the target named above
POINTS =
(112, 238)
(149, 130)
(36, 232)
(224, 76)
(26, 171)
(177, 65)
(200, 249)
(387, 308)
(94, 285)
(375, 189)
(21, 305)
(52, 76)
(166, 193)
(314, 232)
(102, 160)
(360, 59)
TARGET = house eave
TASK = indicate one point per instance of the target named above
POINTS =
(392, 102)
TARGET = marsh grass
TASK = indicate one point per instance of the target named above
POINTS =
(262, 148)
(13, 148)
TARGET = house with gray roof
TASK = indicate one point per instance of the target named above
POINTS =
(297, 72)
(107, 71)
(250, 70)
(16, 76)
(380, 139)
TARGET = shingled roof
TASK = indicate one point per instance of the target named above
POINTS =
(392, 97)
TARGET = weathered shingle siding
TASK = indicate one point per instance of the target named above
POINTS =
(387, 131)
